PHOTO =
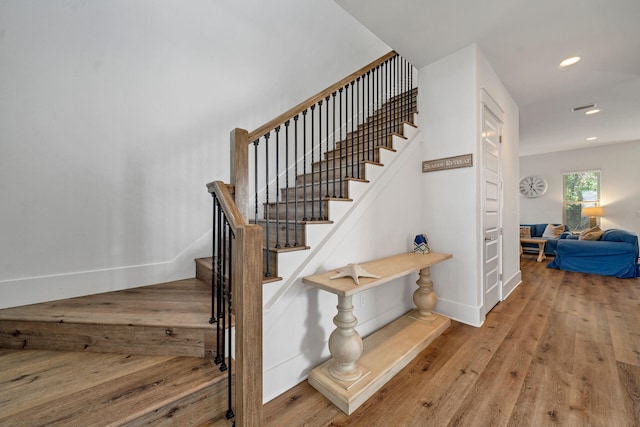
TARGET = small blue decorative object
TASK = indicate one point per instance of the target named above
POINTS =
(421, 244)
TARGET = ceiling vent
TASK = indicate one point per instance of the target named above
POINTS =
(584, 107)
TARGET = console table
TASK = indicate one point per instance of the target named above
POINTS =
(358, 368)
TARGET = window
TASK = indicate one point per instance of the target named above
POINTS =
(580, 189)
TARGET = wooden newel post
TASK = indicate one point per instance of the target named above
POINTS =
(424, 298)
(240, 169)
(247, 299)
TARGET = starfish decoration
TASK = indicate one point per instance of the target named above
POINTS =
(354, 271)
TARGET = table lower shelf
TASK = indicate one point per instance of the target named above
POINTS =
(385, 353)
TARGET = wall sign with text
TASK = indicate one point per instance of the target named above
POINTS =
(463, 161)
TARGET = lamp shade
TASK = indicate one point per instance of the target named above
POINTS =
(594, 211)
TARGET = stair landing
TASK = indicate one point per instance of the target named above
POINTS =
(165, 319)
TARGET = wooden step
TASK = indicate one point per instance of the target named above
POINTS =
(166, 319)
(329, 186)
(205, 269)
(355, 154)
(349, 167)
(376, 125)
(384, 141)
(333, 174)
(311, 210)
(287, 233)
(362, 151)
(43, 387)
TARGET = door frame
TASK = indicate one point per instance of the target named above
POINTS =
(488, 102)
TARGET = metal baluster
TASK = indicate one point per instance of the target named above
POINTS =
(354, 155)
(320, 217)
(333, 101)
(286, 190)
(412, 96)
(224, 284)
(362, 148)
(376, 106)
(304, 165)
(326, 153)
(229, 413)
(277, 201)
(397, 93)
(385, 105)
(295, 216)
(213, 319)
(313, 149)
(369, 116)
(266, 206)
(218, 272)
(255, 177)
(392, 88)
(342, 143)
(352, 134)
(408, 89)
(388, 104)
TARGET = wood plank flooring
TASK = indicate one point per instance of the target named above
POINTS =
(562, 350)
(56, 388)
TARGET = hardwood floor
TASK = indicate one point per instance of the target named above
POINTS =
(562, 350)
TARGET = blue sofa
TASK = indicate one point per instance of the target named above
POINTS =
(615, 254)
(536, 231)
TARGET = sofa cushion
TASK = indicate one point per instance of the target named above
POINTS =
(553, 231)
(593, 233)
(525, 231)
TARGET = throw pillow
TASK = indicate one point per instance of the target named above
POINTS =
(591, 234)
(525, 231)
(553, 231)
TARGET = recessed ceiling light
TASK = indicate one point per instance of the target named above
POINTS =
(592, 138)
(595, 110)
(570, 61)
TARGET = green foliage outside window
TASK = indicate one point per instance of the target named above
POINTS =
(580, 189)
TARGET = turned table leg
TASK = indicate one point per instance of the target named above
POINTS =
(345, 344)
(424, 298)
(541, 254)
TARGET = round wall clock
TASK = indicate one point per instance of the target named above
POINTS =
(532, 186)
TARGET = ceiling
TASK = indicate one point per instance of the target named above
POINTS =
(525, 41)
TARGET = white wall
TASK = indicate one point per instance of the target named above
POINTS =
(114, 115)
(619, 179)
(450, 108)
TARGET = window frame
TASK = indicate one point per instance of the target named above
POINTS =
(584, 221)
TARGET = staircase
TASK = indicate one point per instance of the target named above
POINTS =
(144, 356)
(307, 202)
(135, 357)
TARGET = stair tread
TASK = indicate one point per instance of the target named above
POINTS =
(182, 303)
(41, 387)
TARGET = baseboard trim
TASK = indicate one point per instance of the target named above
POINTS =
(470, 315)
(37, 289)
(511, 284)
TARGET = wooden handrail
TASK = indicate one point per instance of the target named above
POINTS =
(270, 125)
(223, 192)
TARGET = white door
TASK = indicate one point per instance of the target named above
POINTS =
(491, 208)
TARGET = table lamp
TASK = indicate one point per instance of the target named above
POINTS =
(593, 213)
